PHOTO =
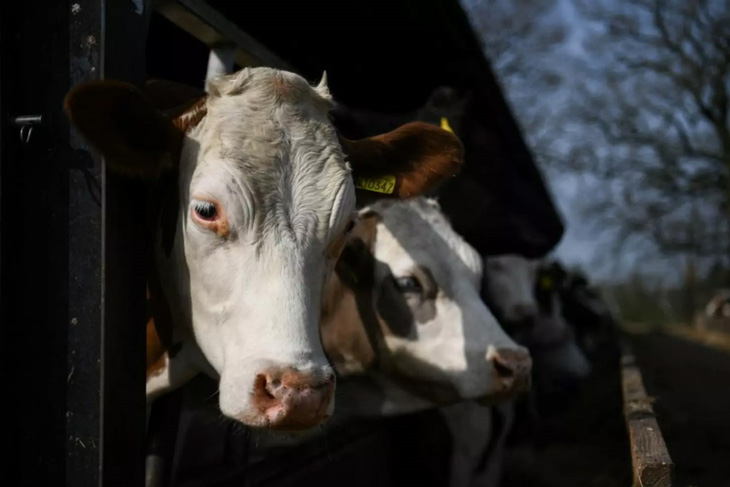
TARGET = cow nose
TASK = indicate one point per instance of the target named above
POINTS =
(513, 368)
(291, 400)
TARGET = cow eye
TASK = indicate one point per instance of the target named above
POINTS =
(205, 210)
(408, 284)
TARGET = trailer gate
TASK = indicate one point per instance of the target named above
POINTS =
(71, 266)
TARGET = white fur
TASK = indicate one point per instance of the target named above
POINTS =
(273, 162)
(510, 286)
(460, 340)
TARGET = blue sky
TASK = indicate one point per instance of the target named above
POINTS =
(579, 245)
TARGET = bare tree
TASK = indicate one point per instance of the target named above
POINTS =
(519, 37)
(653, 113)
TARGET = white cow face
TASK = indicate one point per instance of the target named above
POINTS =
(264, 199)
(418, 303)
(509, 287)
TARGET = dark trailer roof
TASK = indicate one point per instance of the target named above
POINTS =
(381, 55)
(388, 56)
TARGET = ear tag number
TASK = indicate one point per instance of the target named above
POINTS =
(384, 184)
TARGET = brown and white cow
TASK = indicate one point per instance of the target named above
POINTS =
(404, 325)
(403, 320)
(252, 193)
(516, 289)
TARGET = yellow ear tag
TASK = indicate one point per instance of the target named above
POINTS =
(383, 184)
(546, 283)
(445, 125)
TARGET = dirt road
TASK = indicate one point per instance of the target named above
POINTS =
(691, 384)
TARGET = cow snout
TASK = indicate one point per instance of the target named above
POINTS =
(513, 368)
(291, 400)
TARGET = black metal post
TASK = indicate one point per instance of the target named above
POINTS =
(72, 281)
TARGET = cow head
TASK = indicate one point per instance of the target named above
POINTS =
(265, 190)
(551, 339)
(405, 305)
(509, 287)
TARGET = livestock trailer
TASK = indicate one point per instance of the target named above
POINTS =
(72, 267)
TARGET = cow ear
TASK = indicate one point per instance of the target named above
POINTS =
(118, 120)
(409, 161)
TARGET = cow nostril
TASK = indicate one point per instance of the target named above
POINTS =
(290, 400)
(503, 371)
(262, 387)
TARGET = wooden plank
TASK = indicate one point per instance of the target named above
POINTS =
(650, 458)
(208, 25)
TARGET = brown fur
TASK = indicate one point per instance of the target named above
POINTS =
(117, 118)
(155, 350)
(351, 345)
(420, 156)
(164, 210)
(188, 117)
(357, 312)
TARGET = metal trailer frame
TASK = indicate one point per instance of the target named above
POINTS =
(72, 277)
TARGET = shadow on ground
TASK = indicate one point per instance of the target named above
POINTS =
(581, 439)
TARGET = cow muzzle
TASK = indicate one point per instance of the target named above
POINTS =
(512, 370)
(290, 400)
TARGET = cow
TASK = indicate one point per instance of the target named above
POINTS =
(252, 193)
(510, 210)
(508, 288)
(552, 338)
(525, 295)
(391, 363)
(715, 316)
(719, 305)
(403, 319)
(403, 323)
(478, 431)
(587, 313)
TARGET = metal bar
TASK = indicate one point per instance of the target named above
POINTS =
(220, 61)
(83, 281)
(208, 25)
(123, 402)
